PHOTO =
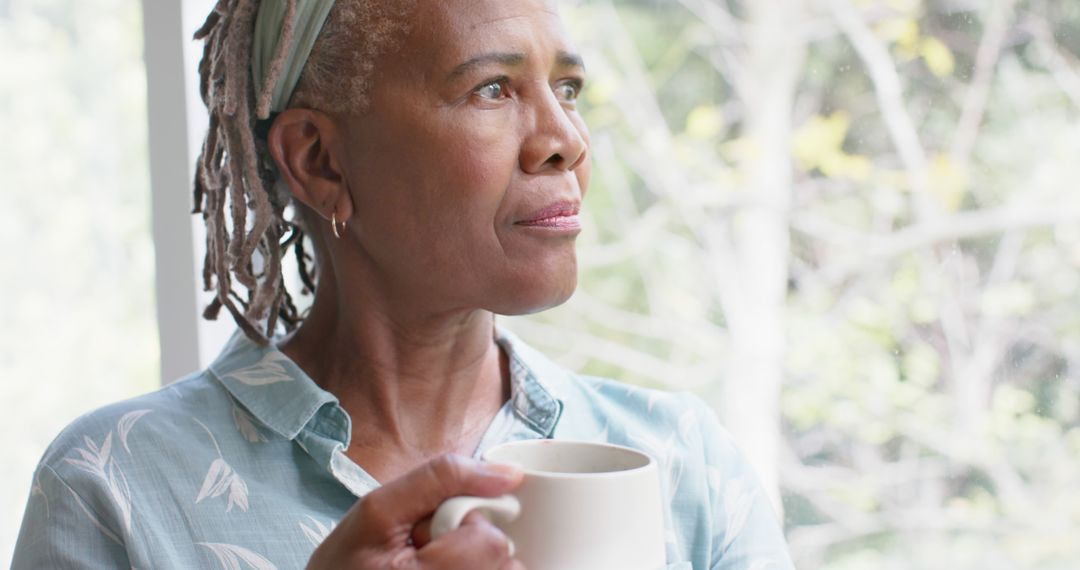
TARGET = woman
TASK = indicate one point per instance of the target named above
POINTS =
(435, 158)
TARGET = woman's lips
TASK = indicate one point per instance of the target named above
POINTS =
(562, 216)
(571, 222)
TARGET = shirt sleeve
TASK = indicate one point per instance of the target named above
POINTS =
(747, 534)
(68, 526)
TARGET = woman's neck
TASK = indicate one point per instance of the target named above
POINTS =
(414, 385)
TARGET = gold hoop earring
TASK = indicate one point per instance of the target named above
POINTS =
(334, 225)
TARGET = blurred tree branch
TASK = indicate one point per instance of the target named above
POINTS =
(875, 248)
(978, 93)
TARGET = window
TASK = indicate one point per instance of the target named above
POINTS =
(78, 279)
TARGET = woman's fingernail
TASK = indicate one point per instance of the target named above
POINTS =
(505, 470)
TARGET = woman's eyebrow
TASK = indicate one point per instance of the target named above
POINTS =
(567, 59)
(504, 58)
(511, 59)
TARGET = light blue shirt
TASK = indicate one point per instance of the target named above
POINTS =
(243, 466)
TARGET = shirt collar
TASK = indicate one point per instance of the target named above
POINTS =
(277, 392)
(269, 384)
(534, 382)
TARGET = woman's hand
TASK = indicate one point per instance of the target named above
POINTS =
(378, 532)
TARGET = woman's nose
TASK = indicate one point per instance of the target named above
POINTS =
(553, 139)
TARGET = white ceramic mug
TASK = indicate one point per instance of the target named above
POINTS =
(581, 506)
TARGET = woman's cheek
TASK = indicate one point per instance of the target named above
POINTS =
(487, 168)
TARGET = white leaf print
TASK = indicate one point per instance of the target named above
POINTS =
(37, 490)
(715, 478)
(121, 494)
(688, 423)
(209, 434)
(97, 523)
(246, 425)
(737, 504)
(220, 477)
(269, 369)
(106, 448)
(175, 392)
(97, 462)
(764, 564)
(217, 480)
(651, 402)
(123, 427)
(238, 494)
(84, 465)
(601, 437)
(675, 473)
(317, 532)
(94, 458)
(230, 556)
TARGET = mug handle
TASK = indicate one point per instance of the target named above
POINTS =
(500, 510)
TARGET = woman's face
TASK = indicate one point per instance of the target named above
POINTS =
(468, 167)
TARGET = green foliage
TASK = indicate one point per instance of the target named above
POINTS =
(930, 396)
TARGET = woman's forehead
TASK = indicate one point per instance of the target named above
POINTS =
(478, 13)
(453, 29)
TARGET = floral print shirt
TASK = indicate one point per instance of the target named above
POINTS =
(242, 466)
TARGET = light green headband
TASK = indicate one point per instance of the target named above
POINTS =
(309, 20)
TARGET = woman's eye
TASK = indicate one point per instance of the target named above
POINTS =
(492, 90)
(568, 91)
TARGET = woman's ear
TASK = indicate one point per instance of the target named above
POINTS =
(301, 143)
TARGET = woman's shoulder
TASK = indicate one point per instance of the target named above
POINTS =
(587, 399)
(122, 425)
(636, 415)
(646, 409)
(666, 403)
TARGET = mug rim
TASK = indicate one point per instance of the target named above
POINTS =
(649, 463)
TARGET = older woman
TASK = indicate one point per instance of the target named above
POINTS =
(433, 156)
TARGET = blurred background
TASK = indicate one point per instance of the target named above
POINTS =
(852, 226)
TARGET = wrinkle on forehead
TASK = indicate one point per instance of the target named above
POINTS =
(550, 12)
(459, 11)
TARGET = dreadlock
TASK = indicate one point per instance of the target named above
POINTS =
(235, 174)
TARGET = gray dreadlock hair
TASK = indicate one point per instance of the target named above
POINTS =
(235, 174)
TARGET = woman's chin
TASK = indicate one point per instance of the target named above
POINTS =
(535, 296)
